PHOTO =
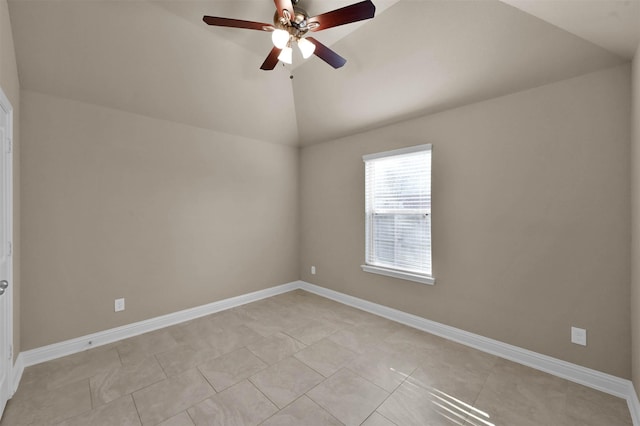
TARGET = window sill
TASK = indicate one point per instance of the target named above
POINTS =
(399, 274)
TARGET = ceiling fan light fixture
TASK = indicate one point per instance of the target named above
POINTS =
(280, 38)
(291, 24)
(306, 47)
(286, 55)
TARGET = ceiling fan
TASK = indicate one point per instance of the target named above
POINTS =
(290, 26)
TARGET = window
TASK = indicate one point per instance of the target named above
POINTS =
(398, 213)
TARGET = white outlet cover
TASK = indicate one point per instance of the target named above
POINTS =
(579, 336)
(119, 305)
(313, 270)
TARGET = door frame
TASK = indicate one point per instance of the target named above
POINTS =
(7, 358)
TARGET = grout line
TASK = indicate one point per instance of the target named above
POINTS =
(166, 375)
(296, 339)
(189, 415)
(136, 407)
(280, 409)
(205, 377)
(248, 379)
(383, 416)
(311, 368)
(364, 378)
(93, 407)
(484, 383)
(210, 385)
(292, 355)
(594, 379)
(215, 393)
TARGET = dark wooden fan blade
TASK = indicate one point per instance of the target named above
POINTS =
(326, 54)
(272, 60)
(346, 15)
(236, 23)
(284, 5)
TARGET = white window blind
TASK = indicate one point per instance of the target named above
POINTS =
(398, 213)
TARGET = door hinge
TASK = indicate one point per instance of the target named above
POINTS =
(9, 248)
(10, 352)
(9, 145)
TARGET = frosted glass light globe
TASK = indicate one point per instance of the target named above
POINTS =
(280, 38)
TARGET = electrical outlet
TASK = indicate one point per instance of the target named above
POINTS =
(579, 336)
(313, 270)
(119, 305)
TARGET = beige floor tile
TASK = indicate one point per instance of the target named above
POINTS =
(48, 407)
(123, 380)
(266, 327)
(229, 318)
(229, 369)
(432, 379)
(257, 356)
(241, 404)
(184, 357)
(348, 397)
(268, 323)
(412, 341)
(228, 339)
(275, 348)
(589, 407)
(302, 411)
(512, 413)
(382, 368)
(357, 339)
(326, 356)
(456, 370)
(350, 315)
(313, 309)
(382, 326)
(466, 358)
(191, 333)
(205, 334)
(70, 369)
(137, 348)
(34, 378)
(285, 381)
(413, 405)
(513, 391)
(293, 297)
(377, 419)
(120, 412)
(233, 337)
(313, 330)
(169, 397)
(260, 309)
(314, 305)
(181, 419)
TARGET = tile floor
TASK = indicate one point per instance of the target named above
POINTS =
(298, 359)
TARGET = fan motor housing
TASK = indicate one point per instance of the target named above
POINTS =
(296, 25)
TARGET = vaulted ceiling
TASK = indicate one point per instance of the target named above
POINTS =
(157, 58)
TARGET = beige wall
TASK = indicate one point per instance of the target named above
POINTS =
(531, 218)
(635, 221)
(11, 87)
(165, 215)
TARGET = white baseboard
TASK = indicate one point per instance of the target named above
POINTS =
(18, 369)
(585, 376)
(607, 383)
(634, 404)
(68, 347)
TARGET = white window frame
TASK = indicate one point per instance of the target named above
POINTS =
(369, 265)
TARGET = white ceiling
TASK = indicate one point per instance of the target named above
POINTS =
(157, 58)
(612, 24)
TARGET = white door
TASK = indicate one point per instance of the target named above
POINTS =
(6, 208)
